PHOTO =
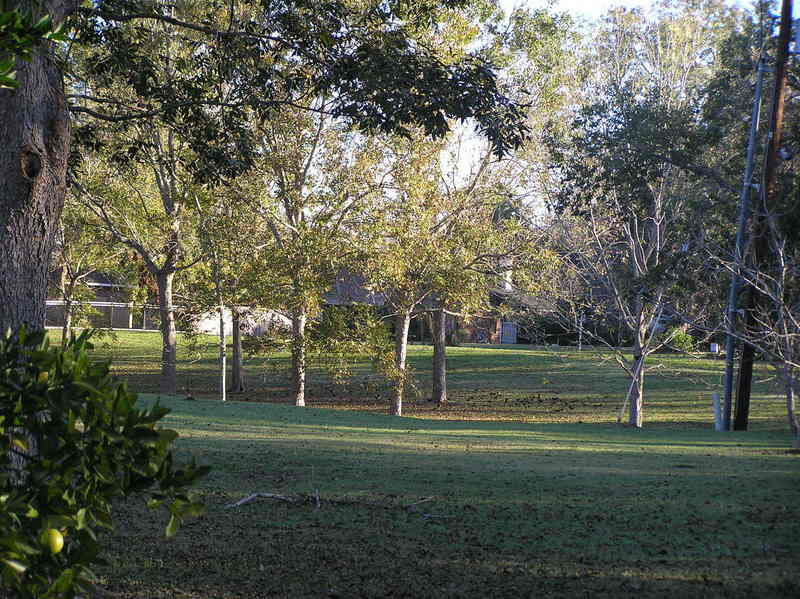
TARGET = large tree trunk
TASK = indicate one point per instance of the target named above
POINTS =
(299, 357)
(169, 336)
(402, 322)
(439, 356)
(34, 145)
(237, 371)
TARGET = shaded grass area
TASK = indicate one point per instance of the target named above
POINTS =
(518, 383)
(501, 509)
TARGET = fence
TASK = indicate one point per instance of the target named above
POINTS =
(108, 315)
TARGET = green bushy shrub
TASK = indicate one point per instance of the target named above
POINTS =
(681, 341)
(71, 440)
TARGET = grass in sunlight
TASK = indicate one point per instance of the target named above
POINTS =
(420, 507)
(513, 383)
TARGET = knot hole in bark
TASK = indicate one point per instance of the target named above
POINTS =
(30, 162)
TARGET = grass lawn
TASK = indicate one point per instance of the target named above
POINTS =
(521, 487)
(503, 509)
(516, 383)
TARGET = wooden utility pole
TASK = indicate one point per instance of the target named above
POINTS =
(760, 229)
(738, 256)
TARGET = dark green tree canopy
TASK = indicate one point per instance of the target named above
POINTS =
(232, 59)
(620, 144)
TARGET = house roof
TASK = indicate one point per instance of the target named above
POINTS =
(350, 289)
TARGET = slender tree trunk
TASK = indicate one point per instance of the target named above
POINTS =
(791, 408)
(237, 371)
(169, 335)
(636, 394)
(402, 323)
(636, 390)
(34, 146)
(792, 413)
(439, 329)
(744, 385)
(223, 354)
(66, 330)
(65, 296)
(223, 348)
(299, 357)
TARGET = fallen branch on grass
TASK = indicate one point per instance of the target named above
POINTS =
(254, 496)
(317, 502)
(412, 507)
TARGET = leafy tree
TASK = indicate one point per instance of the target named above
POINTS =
(629, 162)
(434, 246)
(364, 57)
(230, 233)
(82, 249)
(456, 251)
(149, 204)
(311, 183)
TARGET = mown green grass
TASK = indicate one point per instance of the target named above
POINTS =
(509, 509)
(485, 382)
(524, 486)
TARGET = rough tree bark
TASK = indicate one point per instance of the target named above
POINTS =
(402, 323)
(237, 370)
(439, 329)
(299, 357)
(34, 146)
(168, 384)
